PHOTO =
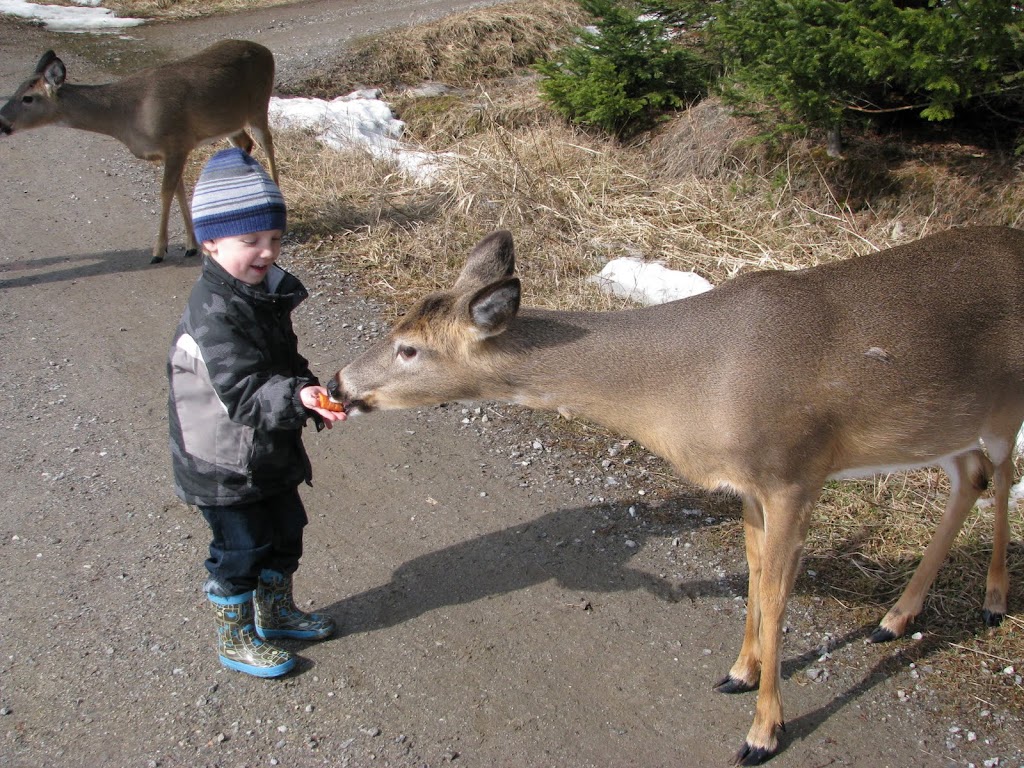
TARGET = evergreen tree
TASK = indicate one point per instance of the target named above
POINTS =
(811, 62)
(798, 64)
(622, 75)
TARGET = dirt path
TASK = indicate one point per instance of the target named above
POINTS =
(502, 605)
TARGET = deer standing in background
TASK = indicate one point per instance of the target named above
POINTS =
(769, 386)
(161, 113)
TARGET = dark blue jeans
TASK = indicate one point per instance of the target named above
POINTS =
(250, 537)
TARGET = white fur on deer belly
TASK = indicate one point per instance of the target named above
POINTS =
(854, 473)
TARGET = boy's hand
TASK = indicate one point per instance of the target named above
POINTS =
(315, 398)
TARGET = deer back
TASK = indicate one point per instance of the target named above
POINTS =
(894, 359)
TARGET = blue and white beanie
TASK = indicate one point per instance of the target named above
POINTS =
(235, 196)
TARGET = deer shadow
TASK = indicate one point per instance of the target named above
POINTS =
(516, 558)
(56, 269)
(528, 554)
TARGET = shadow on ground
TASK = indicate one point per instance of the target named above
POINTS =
(525, 555)
(55, 269)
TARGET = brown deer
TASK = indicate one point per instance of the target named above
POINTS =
(161, 113)
(768, 385)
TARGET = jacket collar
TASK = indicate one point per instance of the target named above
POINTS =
(279, 286)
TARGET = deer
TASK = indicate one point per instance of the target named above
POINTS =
(768, 386)
(161, 113)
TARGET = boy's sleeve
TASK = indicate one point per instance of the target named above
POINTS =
(244, 379)
(306, 376)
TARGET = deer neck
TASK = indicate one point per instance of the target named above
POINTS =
(96, 108)
(644, 373)
(578, 363)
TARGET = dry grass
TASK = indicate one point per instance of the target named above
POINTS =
(459, 50)
(703, 194)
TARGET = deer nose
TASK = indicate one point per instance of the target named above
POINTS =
(333, 389)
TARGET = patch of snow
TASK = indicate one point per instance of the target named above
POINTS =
(648, 282)
(359, 120)
(86, 16)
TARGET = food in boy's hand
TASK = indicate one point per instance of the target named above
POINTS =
(325, 402)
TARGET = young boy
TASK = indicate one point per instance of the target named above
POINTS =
(240, 394)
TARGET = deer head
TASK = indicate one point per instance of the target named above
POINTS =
(35, 102)
(445, 346)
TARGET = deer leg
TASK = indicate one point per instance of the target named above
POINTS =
(242, 140)
(786, 520)
(746, 672)
(997, 585)
(968, 474)
(174, 166)
(266, 140)
(191, 246)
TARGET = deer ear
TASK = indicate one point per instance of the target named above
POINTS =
(53, 72)
(491, 259)
(494, 306)
(44, 61)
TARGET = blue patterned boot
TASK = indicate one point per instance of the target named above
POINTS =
(239, 646)
(278, 616)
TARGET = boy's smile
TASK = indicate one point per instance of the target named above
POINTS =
(246, 257)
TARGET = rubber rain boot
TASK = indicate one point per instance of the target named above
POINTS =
(238, 645)
(278, 616)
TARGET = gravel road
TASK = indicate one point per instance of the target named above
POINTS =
(507, 600)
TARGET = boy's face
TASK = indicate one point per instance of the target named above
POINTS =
(246, 257)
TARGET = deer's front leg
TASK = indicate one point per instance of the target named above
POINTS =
(746, 672)
(997, 586)
(785, 528)
(174, 165)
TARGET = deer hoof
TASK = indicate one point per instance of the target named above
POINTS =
(881, 635)
(992, 618)
(156, 259)
(730, 684)
(751, 755)
(189, 252)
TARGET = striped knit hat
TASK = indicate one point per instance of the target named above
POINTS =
(235, 196)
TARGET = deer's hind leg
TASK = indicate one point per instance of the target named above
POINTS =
(242, 140)
(261, 129)
(969, 474)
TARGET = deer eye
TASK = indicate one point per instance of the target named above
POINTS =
(26, 99)
(406, 352)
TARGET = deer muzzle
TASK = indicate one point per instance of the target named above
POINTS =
(337, 393)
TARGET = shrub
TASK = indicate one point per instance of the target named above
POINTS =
(813, 62)
(623, 75)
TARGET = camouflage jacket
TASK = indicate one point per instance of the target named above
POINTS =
(235, 373)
